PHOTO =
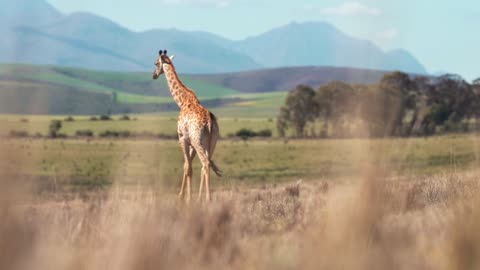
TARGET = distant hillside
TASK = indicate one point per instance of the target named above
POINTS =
(34, 32)
(26, 89)
(285, 79)
(60, 90)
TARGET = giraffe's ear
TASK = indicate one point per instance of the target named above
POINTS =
(173, 56)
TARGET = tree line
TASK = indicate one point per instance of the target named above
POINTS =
(400, 105)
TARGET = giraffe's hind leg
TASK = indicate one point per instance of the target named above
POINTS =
(203, 155)
(204, 179)
(188, 154)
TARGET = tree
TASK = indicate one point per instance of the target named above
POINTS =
(300, 108)
(451, 100)
(399, 97)
(335, 103)
(396, 80)
(282, 121)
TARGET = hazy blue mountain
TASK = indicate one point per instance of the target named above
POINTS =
(35, 32)
(318, 43)
(403, 60)
(26, 12)
(89, 41)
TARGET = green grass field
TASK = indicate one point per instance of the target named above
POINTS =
(155, 124)
(83, 163)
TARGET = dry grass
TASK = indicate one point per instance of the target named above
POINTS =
(375, 223)
(374, 220)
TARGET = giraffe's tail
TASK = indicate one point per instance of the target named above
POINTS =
(213, 125)
(215, 169)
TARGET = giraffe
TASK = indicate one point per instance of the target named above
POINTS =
(197, 128)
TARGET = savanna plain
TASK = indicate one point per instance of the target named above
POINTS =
(103, 203)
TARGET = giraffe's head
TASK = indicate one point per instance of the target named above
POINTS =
(163, 59)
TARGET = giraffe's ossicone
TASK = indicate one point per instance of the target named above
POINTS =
(197, 128)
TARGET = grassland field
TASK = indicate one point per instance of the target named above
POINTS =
(86, 164)
(362, 204)
(102, 203)
(165, 123)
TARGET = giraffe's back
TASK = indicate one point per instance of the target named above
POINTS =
(197, 125)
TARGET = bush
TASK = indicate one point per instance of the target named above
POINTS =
(24, 120)
(124, 118)
(84, 133)
(93, 118)
(115, 134)
(18, 133)
(245, 133)
(167, 136)
(264, 133)
(61, 136)
(105, 117)
(69, 119)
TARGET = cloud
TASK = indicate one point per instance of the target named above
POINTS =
(351, 9)
(204, 3)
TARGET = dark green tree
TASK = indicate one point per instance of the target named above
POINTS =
(335, 102)
(300, 108)
(399, 94)
(282, 121)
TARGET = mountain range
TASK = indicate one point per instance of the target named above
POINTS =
(34, 32)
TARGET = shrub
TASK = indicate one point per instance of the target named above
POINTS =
(84, 133)
(167, 136)
(115, 134)
(245, 133)
(93, 118)
(69, 119)
(124, 118)
(105, 117)
(24, 120)
(18, 133)
(264, 133)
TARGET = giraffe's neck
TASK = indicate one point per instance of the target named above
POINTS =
(180, 93)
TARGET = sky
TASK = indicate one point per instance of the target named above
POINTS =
(443, 35)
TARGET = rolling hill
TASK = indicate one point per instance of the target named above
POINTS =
(61, 90)
(27, 89)
(34, 32)
(285, 79)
